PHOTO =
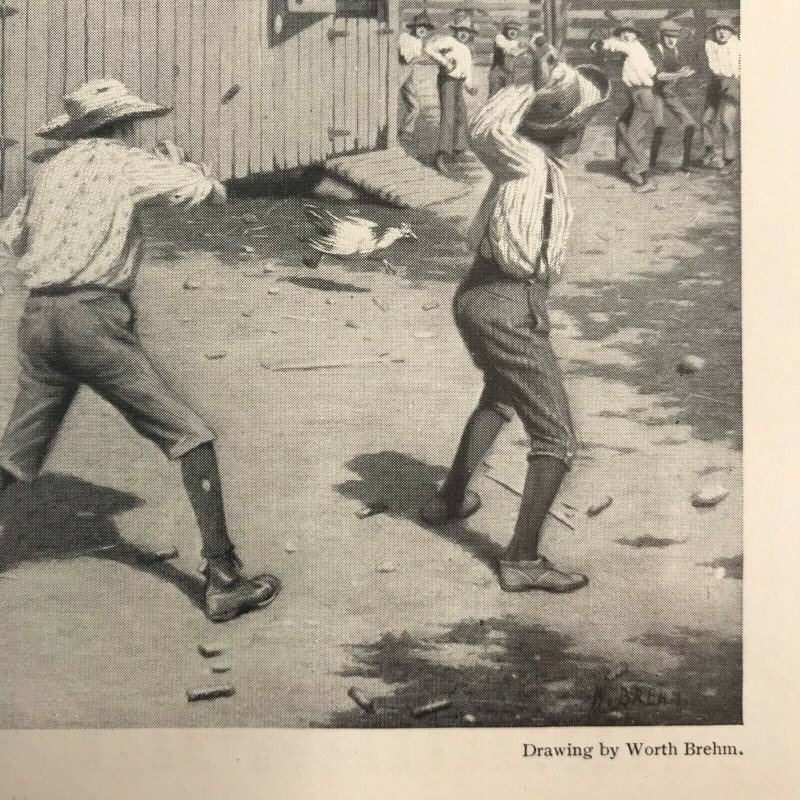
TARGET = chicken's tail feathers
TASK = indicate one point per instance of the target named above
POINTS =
(325, 224)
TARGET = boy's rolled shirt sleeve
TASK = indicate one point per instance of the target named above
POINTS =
(152, 177)
(14, 229)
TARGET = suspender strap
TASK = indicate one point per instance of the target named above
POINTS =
(547, 220)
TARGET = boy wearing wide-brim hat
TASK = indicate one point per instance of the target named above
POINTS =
(79, 240)
(722, 98)
(521, 134)
(410, 49)
(638, 74)
(454, 57)
(671, 67)
(507, 46)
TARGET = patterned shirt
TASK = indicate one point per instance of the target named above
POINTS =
(724, 59)
(79, 225)
(638, 69)
(457, 56)
(409, 47)
(511, 219)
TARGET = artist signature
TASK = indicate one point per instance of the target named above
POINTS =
(613, 693)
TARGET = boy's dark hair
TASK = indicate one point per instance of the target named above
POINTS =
(110, 130)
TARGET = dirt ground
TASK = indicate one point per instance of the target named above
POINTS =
(94, 637)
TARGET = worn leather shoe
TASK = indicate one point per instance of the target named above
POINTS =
(229, 593)
(527, 576)
(438, 512)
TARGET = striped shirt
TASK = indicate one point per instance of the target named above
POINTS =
(79, 226)
(638, 69)
(511, 218)
(724, 59)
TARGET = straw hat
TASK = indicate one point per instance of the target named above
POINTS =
(628, 25)
(722, 22)
(463, 22)
(567, 103)
(420, 21)
(95, 104)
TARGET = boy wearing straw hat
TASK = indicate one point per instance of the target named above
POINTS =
(410, 46)
(79, 241)
(722, 97)
(671, 65)
(507, 47)
(454, 57)
(522, 135)
(638, 74)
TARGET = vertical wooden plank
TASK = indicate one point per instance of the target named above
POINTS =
(131, 54)
(14, 105)
(148, 85)
(241, 76)
(165, 95)
(306, 100)
(254, 80)
(375, 88)
(268, 121)
(278, 103)
(211, 96)
(326, 66)
(76, 44)
(182, 72)
(351, 85)
(95, 34)
(362, 109)
(384, 55)
(56, 52)
(227, 32)
(291, 52)
(339, 81)
(196, 79)
(392, 72)
(114, 38)
(36, 105)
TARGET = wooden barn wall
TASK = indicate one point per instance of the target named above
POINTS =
(296, 98)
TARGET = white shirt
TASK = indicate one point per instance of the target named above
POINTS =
(512, 214)
(638, 69)
(510, 46)
(455, 54)
(79, 225)
(409, 47)
(724, 59)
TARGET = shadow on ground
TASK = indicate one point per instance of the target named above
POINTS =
(692, 309)
(504, 673)
(61, 517)
(404, 483)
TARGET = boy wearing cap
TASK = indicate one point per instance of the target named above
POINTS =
(454, 57)
(671, 66)
(722, 97)
(410, 46)
(638, 74)
(507, 47)
(521, 134)
(79, 240)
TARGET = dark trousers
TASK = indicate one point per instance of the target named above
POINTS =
(453, 119)
(721, 118)
(633, 132)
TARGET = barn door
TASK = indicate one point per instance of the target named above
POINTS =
(361, 44)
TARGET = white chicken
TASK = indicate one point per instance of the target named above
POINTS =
(351, 236)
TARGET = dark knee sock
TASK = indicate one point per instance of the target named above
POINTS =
(542, 482)
(655, 147)
(479, 435)
(688, 136)
(202, 481)
(6, 480)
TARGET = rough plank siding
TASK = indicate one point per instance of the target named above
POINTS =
(295, 88)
